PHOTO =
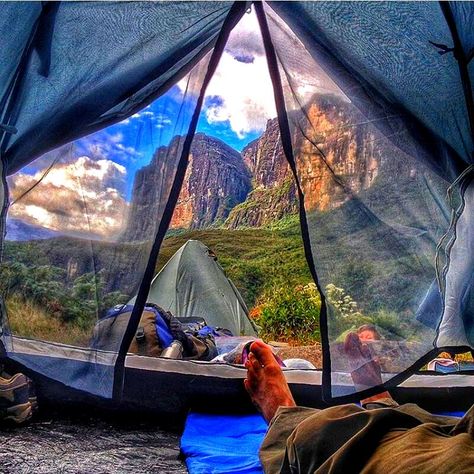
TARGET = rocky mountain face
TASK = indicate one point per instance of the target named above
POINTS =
(274, 193)
(216, 180)
(338, 155)
(150, 192)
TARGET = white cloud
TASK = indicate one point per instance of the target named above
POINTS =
(162, 121)
(241, 92)
(116, 137)
(105, 145)
(81, 198)
(241, 83)
(143, 113)
(245, 92)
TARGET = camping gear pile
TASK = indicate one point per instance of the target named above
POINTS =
(68, 69)
(159, 334)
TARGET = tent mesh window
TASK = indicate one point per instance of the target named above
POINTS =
(83, 218)
(80, 247)
(374, 184)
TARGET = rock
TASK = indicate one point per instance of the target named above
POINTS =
(337, 153)
(216, 180)
(274, 193)
(150, 192)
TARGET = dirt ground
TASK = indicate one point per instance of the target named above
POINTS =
(88, 445)
(312, 353)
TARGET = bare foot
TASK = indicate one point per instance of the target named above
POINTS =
(265, 381)
(366, 372)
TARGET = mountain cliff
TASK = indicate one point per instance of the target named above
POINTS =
(336, 152)
(338, 155)
(216, 180)
(150, 192)
(274, 193)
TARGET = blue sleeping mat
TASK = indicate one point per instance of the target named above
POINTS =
(217, 444)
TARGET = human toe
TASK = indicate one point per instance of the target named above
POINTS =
(263, 353)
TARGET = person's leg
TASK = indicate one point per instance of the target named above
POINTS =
(366, 372)
(269, 391)
(265, 381)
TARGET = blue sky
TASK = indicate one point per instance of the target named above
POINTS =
(238, 103)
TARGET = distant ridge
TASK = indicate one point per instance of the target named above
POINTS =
(19, 230)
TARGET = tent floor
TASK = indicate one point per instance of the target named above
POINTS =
(71, 444)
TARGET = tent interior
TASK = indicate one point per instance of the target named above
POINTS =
(342, 129)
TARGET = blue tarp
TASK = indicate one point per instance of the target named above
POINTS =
(215, 444)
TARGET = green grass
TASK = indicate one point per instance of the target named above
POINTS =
(31, 320)
(254, 259)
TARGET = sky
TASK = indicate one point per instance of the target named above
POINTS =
(93, 179)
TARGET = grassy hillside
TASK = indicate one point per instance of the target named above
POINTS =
(43, 303)
(254, 259)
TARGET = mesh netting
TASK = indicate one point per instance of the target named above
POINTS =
(375, 209)
(82, 222)
(85, 216)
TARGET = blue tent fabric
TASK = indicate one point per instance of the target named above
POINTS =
(19, 33)
(464, 17)
(370, 49)
(458, 414)
(214, 444)
(88, 68)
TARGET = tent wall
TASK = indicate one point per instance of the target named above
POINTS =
(91, 64)
(164, 386)
(397, 83)
(381, 56)
(88, 69)
(456, 327)
(400, 69)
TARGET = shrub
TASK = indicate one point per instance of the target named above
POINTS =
(345, 316)
(31, 320)
(290, 314)
(45, 287)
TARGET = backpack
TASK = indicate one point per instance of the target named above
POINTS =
(156, 330)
